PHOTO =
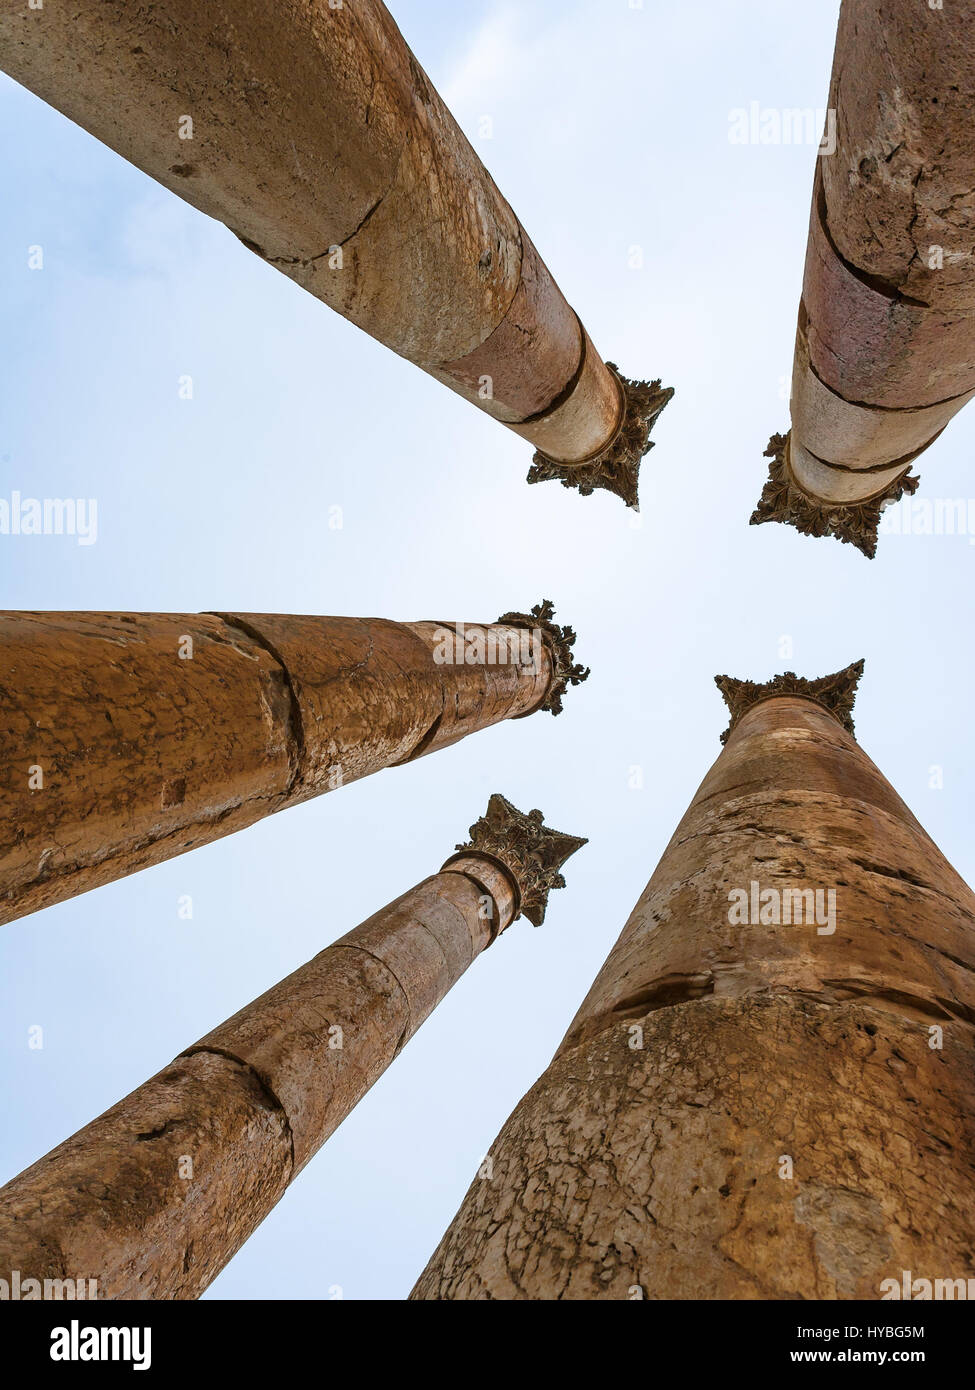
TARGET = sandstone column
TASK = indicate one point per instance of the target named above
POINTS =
(768, 1092)
(129, 738)
(155, 1196)
(310, 129)
(885, 349)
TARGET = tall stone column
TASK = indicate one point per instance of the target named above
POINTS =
(768, 1092)
(310, 129)
(155, 1196)
(885, 349)
(129, 738)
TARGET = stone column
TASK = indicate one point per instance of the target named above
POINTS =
(129, 738)
(885, 349)
(311, 131)
(768, 1093)
(155, 1196)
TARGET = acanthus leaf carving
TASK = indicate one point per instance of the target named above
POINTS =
(531, 852)
(854, 523)
(835, 694)
(559, 639)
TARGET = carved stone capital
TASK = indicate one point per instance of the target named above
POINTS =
(834, 693)
(617, 467)
(856, 523)
(530, 851)
(559, 640)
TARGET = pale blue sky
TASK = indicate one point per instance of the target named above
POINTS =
(610, 130)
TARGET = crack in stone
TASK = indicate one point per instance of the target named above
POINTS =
(873, 282)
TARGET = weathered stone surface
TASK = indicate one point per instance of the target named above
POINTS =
(902, 178)
(794, 802)
(584, 418)
(513, 676)
(875, 349)
(372, 693)
(144, 753)
(311, 126)
(154, 1197)
(319, 140)
(321, 1037)
(648, 1159)
(538, 321)
(110, 1203)
(493, 880)
(654, 1172)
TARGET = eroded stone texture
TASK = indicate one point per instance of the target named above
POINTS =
(319, 140)
(322, 1037)
(885, 352)
(154, 1197)
(875, 349)
(902, 179)
(793, 802)
(130, 738)
(654, 1172)
(111, 1203)
(648, 1160)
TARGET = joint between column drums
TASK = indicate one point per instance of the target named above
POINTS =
(262, 1081)
(407, 1032)
(560, 399)
(452, 866)
(423, 742)
(296, 727)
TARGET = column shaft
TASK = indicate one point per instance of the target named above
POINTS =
(313, 133)
(130, 738)
(760, 1097)
(155, 1196)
